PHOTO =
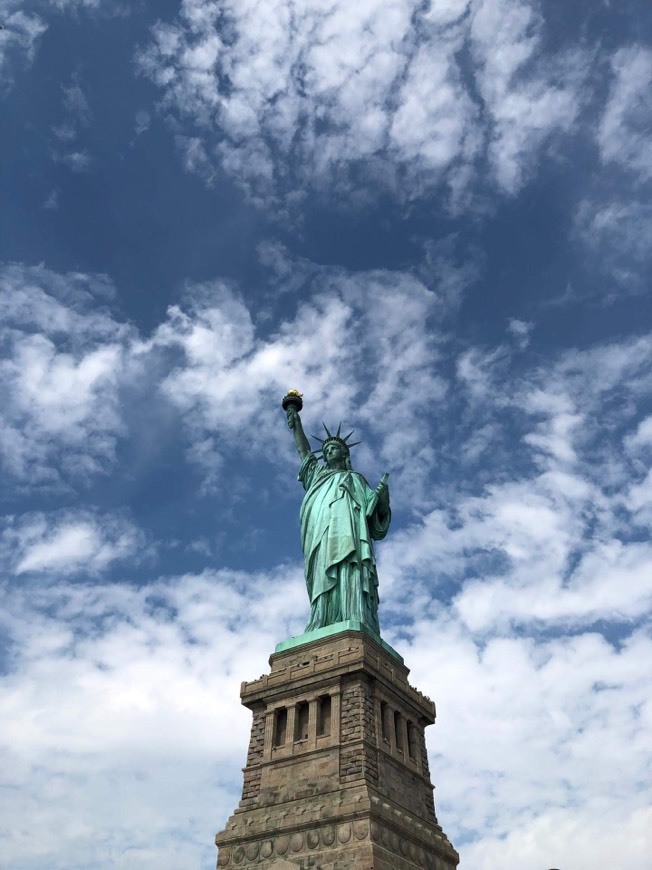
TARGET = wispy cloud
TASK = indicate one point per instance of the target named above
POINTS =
(435, 174)
(115, 693)
(69, 542)
(228, 378)
(549, 707)
(530, 95)
(322, 98)
(52, 201)
(520, 330)
(60, 374)
(557, 533)
(70, 148)
(68, 365)
(516, 579)
(625, 130)
(18, 41)
(23, 30)
(616, 233)
(104, 679)
(526, 553)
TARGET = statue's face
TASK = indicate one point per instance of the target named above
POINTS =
(334, 455)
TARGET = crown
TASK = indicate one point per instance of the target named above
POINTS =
(336, 437)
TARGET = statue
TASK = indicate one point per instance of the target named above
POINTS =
(340, 516)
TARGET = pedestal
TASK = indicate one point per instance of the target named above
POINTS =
(337, 772)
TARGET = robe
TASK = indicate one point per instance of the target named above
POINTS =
(338, 524)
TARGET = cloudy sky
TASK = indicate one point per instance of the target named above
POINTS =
(434, 218)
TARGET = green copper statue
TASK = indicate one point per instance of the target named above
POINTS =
(340, 516)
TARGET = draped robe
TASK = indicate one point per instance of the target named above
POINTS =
(338, 524)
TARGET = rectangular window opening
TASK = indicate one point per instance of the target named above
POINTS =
(280, 726)
(398, 730)
(412, 740)
(301, 721)
(384, 721)
(324, 716)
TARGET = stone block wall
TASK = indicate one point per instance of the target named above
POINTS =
(348, 790)
(252, 772)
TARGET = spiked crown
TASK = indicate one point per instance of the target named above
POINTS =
(336, 437)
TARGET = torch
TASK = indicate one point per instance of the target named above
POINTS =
(293, 400)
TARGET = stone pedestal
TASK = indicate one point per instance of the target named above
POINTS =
(337, 771)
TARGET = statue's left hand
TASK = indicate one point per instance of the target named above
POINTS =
(383, 497)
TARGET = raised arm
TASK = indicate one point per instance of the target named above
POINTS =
(300, 440)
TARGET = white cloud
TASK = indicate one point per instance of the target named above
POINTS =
(521, 721)
(333, 96)
(530, 96)
(20, 38)
(579, 839)
(65, 5)
(642, 437)
(230, 380)
(624, 133)
(611, 582)
(554, 533)
(520, 329)
(52, 201)
(521, 501)
(76, 103)
(63, 365)
(68, 367)
(18, 41)
(142, 121)
(614, 220)
(369, 348)
(475, 369)
(71, 149)
(124, 702)
(616, 234)
(122, 736)
(448, 269)
(68, 542)
(435, 122)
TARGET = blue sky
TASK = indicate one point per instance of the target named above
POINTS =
(434, 219)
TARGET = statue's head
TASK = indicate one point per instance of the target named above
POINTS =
(335, 449)
(336, 453)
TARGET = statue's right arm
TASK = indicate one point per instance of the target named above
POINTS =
(300, 440)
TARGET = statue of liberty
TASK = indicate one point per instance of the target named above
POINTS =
(340, 517)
